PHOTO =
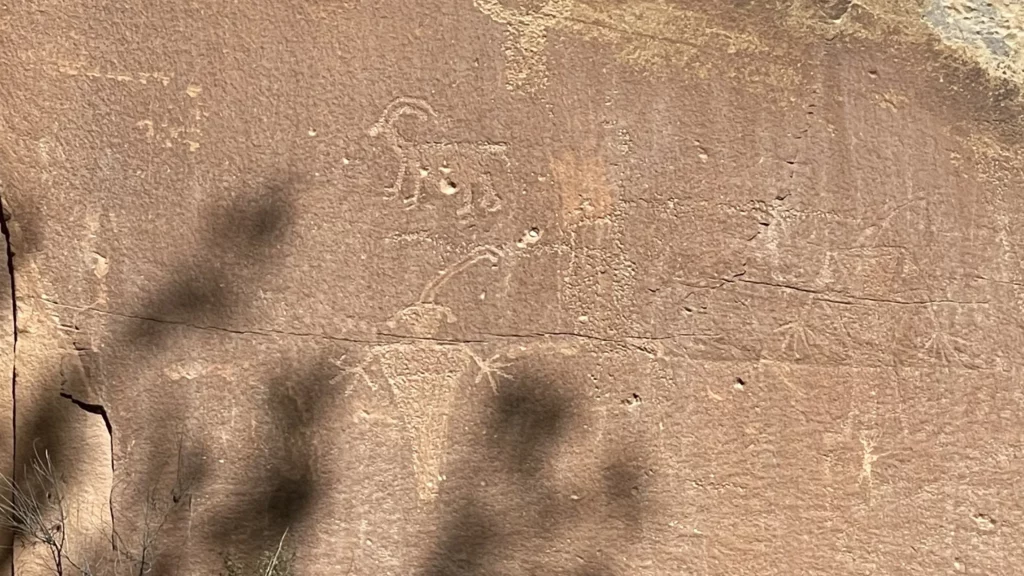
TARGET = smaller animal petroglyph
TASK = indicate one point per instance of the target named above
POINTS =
(479, 173)
(489, 253)
(426, 316)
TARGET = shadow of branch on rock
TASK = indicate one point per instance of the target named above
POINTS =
(515, 497)
(522, 426)
(149, 495)
(527, 421)
(285, 493)
(238, 247)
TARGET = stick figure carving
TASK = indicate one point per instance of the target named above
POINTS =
(477, 172)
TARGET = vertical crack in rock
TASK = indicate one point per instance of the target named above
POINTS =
(14, 301)
(100, 411)
(4, 216)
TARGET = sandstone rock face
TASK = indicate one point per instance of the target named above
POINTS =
(518, 286)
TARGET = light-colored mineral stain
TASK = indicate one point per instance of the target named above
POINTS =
(645, 34)
(654, 33)
(988, 31)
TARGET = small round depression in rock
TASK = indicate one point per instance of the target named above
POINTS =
(449, 187)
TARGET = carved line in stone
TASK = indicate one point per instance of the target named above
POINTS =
(438, 161)
(480, 253)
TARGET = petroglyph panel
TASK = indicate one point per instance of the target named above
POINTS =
(521, 286)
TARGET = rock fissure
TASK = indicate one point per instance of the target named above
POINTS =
(9, 252)
(96, 409)
(388, 337)
(856, 298)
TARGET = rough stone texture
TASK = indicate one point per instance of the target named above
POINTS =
(988, 30)
(496, 287)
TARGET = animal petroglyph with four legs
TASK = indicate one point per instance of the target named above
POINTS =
(478, 172)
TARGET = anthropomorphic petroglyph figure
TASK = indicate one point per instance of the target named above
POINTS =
(479, 173)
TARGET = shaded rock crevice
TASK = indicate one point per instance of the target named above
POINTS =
(9, 253)
(96, 409)
(101, 411)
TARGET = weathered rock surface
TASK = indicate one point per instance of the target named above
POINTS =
(512, 287)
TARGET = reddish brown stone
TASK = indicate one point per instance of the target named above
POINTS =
(494, 287)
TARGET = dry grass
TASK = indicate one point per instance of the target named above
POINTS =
(278, 563)
(36, 510)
